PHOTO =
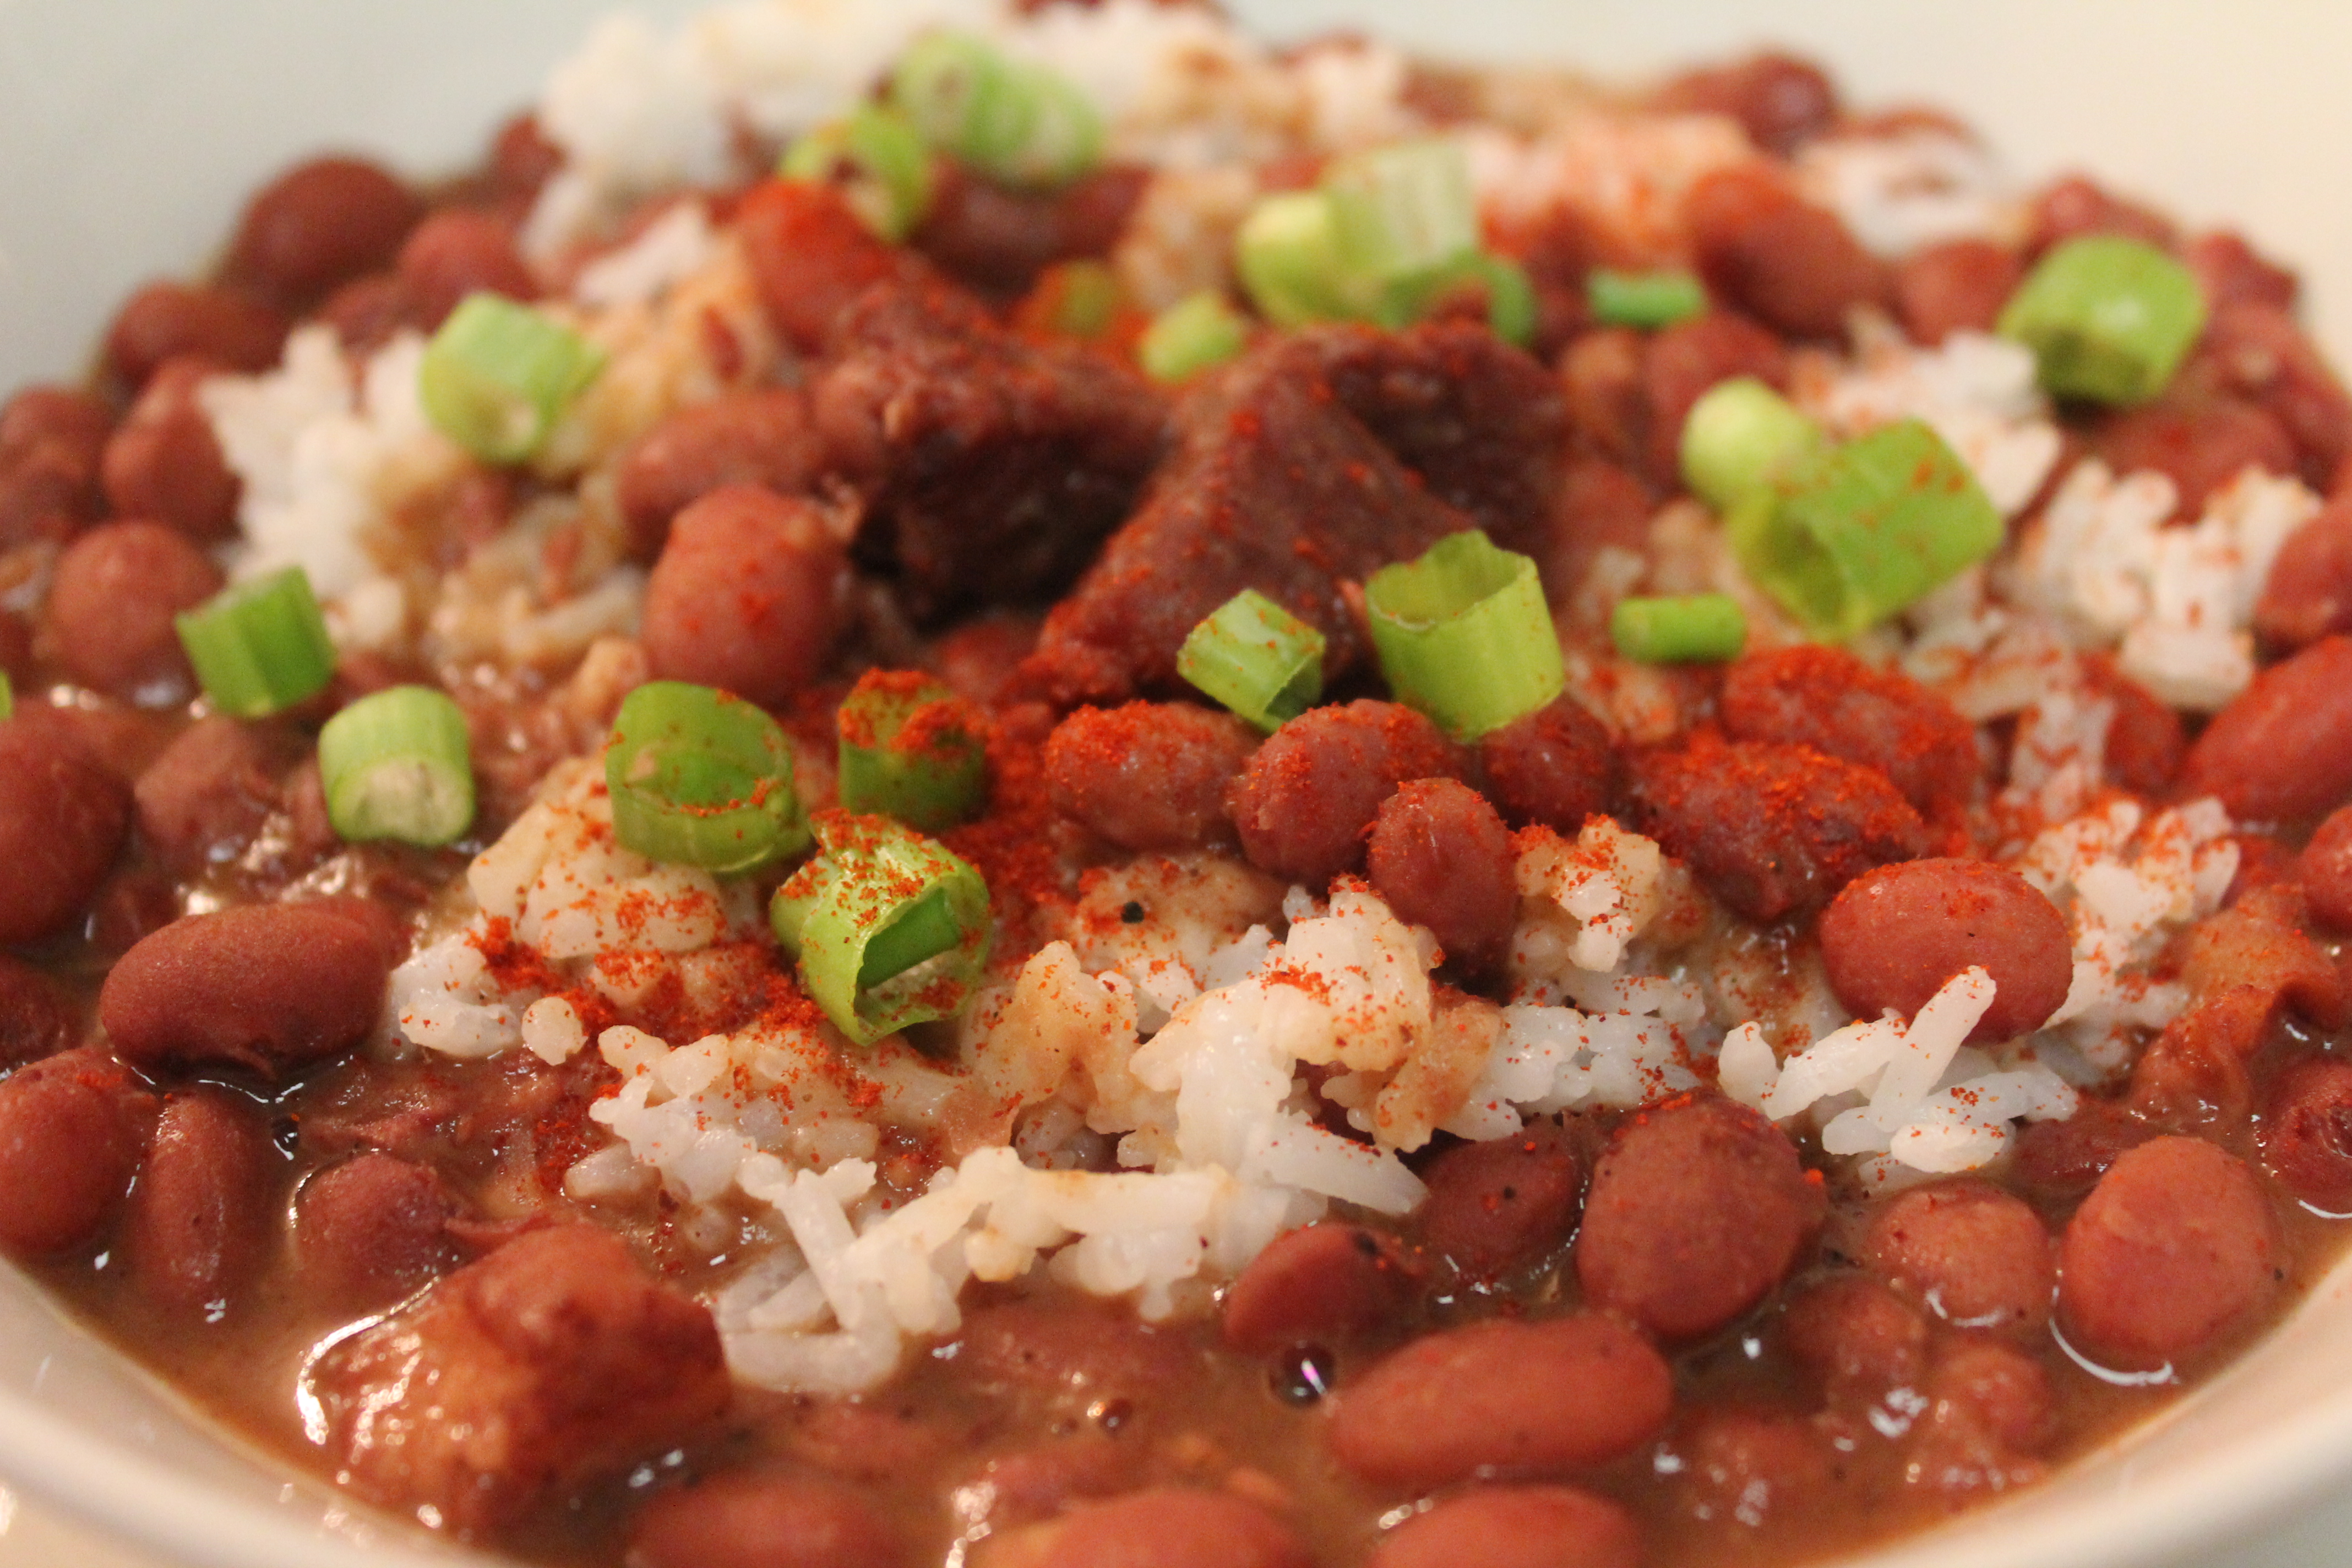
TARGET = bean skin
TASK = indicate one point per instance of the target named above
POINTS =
(811, 256)
(1149, 776)
(163, 462)
(1319, 1284)
(1780, 101)
(1791, 264)
(1976, 1256)
(2074, 206)
(1502, 1396)
(1501, 1202)
(1553, 768)
(1895, 935)
(750, 595)
(266, 987)
(1310, 794)
(1858, 1337)
(1514, 1527)
(371, 1229)
(199, 1219)
(760, 437)
(2308, 593)
(2325, 869)
(2305, 1134)
(2145, 739)
(1696, 1210)
(168, 320)
(52, 441)
(2231, 271)
(1958, 286)
(212, 789)
(111, 603)
(1827, 699)
(1165, 1527)
(37, 1016)
(2281, 750)
(62, 817)
(740, 1521)
(320, 224)
(68, 1147)
(2199, 443)
(2174, 1249)
(457, 252)
(1442, 858)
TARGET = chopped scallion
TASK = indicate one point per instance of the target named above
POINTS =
(395, 766)
(1465, 635)
(911, 749)
(260, 645)
(1075, 300)
(2108, 318)
(1287, 254)
(1192, 335)
(1646, 299)
(700, 777)
(1255, 658)
(1018, 122)
(1687, 628)
(8, 697)
(889, 928)
(1737, 435)
(499, 373)
(1848, 536)
(1501, 282)
(1403, 211)
(875, 158)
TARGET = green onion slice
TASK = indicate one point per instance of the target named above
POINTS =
(2108, 318)
(877, 159)
(1288, 256)
(1465, 635)
(1738, 436)
(260, 645)
(1017, 123)
(8, 697)
(1848, 536)
(395, 764)
(1686, 628)
(1510, 297)
(700, 777)
(1255, 658)
(1085, 298)
(1403, 211)
(499, 373)
(889, 927)
(911, 749)
(1647, 299)
(1195, 333)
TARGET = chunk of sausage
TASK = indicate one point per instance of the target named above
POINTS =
(1501, 1202)
(37, 1016)
(554, 1359)
(1895, 935)
(1978, 1257)
(2281, 750)
(1553, 768)
(750, 595)
(1149, 776)
(1441, 857)
(164, 461)
(1317, 1285)
(62, 817)
(2308, 593)
(2199, 443)
(2324, 870)
(371, 1229)
(761, 436)
(69, 1144)
(1827, 699)
(1696, 1210)
(320, 224)
(1780, 101)
(2174, 1249)
(1311, 791)
(1792, 265)
(1166, 1527)
(2305, 1134)
(1773, 830)
(266, 987)
(52, 440)
(1959, 286)
(110, 608)
(1515, 1527)
(167, 320)
(199, 1220)
(748, 1521)
(457, 252)
(1505, 1397)
(211, 790)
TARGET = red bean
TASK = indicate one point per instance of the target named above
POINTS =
(170, 320)
(52, 440)
(2259, 940)
(1031, 1484)
(1791, 264)
(320, 224)
(1442, 858)
(2308, 593)
(1827, 699)
(371, 1229)
(1504, 1398)
(1495, 1204)
(110, 608)
(1168, 1527)
(1603, 505)
(1310, 793)
(2324, 870)
(1753, 1466)
(2281, 750)
(1976, 1256)
(1959, 286)
(1149, 776)
(212, 789)
(266, 987)
(1779, 100)
(457, 252)
(1697, 1209)
(744, 1520)
(2200, 444)
(999, 239)
(2260, 352)
(199, 1219)
(367, 311)
(2231, 271)
(1989, 1408)
(2074, 205)
(1896, 934)
(163, 462)
(68, 1147)
(521, 157)
(1317, 1285)
(1554, 767)
(761, 437)
(2144, 739)
(2194, 1074)
(810, 256)
(1858, 1337)
(2174, 1249)
(2060, 1161)
(751, 594)
(1515, 1527)
(1680, 364)
(37, 1017)
(62, 817)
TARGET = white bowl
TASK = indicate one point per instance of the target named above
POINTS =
(130, 130)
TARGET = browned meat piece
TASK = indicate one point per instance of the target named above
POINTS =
(552, 1359)
(991, 466)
